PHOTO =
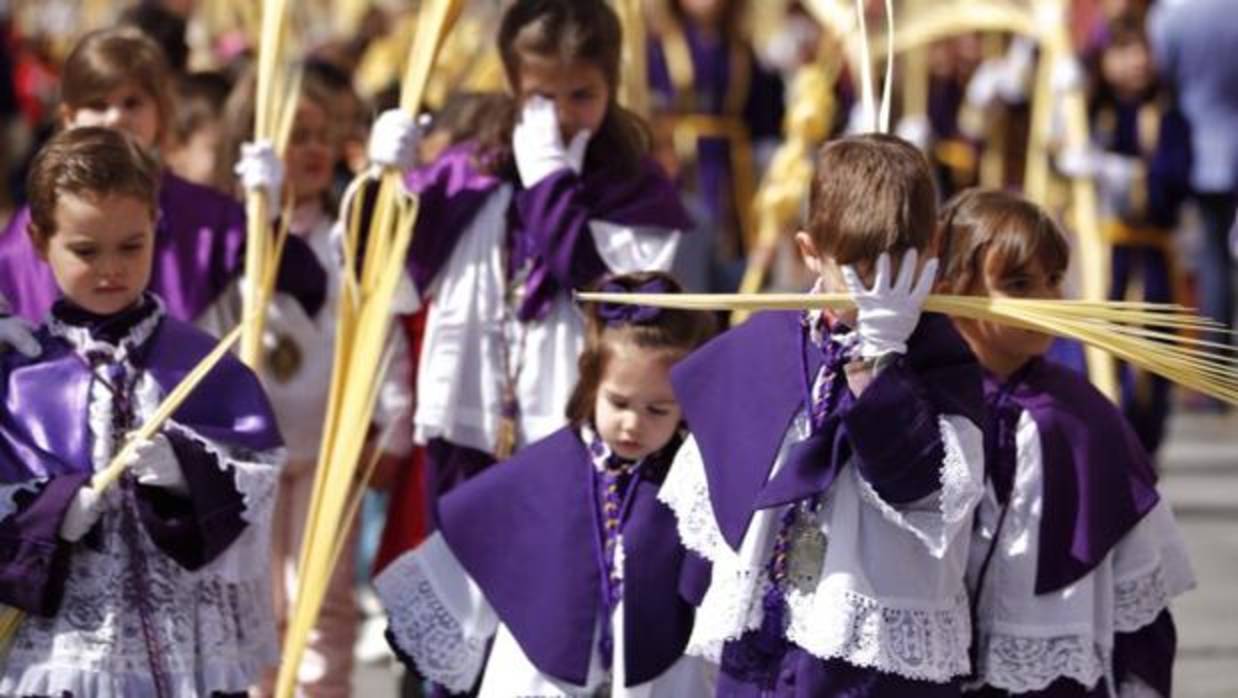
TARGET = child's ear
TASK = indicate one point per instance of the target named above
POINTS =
(66, 116)
(809, 253)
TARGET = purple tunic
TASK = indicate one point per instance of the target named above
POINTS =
(45, 439)
(522, 530)
(548, 223)
(199, 242)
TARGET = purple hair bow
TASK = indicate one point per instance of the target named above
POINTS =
(614, 314)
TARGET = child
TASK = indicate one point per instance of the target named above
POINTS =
(1075, 556)
(835, 459)
(118, 78)
(563, 554)
(158, 585)
(510, 223)
(193, 136)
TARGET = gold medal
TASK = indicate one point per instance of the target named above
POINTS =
(285, 358)
(805, 554)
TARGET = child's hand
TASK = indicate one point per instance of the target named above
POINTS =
(888, 314)
(154, 464)
(393, 140)
(14, 332)
(261, 169)
(82, 515)
(538, 145)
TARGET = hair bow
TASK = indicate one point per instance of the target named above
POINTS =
(614, 314)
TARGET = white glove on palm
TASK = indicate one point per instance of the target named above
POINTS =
(1113, 173)
(393, 140)
(82, 515)
(261, 169)
(14, 332)
(889, 313)
(982, 88)
(154, 464)
(538, 145)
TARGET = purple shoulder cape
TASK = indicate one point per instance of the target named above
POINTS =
(44, 422)
(740, 392)
(1098, 481)
(199, 243)
(547, 222)
(523, 531)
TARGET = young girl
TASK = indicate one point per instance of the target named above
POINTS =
(835, 460)
(158, 585)
(118, 78)
(509, 224)
(563, 554)
(1075, 556)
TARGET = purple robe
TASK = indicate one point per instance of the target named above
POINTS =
(45, 438)
(548, 223)
(523, 531)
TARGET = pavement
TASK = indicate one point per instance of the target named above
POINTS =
(1199, 476)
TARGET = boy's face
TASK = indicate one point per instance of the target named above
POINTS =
(311, 152)
(1001, 348)
(101, 250)
(578, 90)
(128, 108)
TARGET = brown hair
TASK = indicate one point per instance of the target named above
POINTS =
(572, 31)
(871, 194)
(672, 333)
(88, 161)
(200, 99)
(999, 231)
(106, 59)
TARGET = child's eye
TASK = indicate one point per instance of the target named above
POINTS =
(659, 411)
(83, 252)
(133, 102)
(618, 404)
(132, 249)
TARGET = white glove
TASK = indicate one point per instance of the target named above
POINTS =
(1067, 75)
(1112, 172)
(14, 332)
(916, 130)
(261, 169)
(1016, 72)
(82, 515)
(888, 314)
(982, 88)
(154, 464)
(538, 145)
(393, 140)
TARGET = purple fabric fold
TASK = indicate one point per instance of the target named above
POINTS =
(199, 241)
(520, 529)
(1098, 480)
(800, 674)
(33, 557)
(740, 392)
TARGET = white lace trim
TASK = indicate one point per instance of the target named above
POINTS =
(9, 492)
(1021, 664)
(731, 607)
(83, 343)
(424, 627)
(961, 487)
(686, 492)
(1139, 600)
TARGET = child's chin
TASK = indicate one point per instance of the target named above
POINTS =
(105, 304)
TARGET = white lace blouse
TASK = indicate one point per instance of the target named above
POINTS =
(1026, 641)
(890, 595)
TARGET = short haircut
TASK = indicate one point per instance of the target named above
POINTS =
(88, 162)
(200, 99)
(990, 229)
(871, 194)
(106, 59)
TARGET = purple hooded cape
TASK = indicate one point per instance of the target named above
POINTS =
(523, 531)
(1098, 481)
(45, 434)
(199, 251)
(741, 391)
(547, 223)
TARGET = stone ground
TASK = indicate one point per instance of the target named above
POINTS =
(1200, 478)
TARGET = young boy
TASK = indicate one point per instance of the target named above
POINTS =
(836, 460)
(157, 585)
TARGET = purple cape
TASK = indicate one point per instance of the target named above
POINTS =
(741, 391)
(44, 425)
(199, 240)
(1098, 481)
(548, 223)
(523, 530)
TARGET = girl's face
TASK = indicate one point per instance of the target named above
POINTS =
(579, 91)
(635, 412)
(128, 108)
(1000, 348)
(100, 252)
(311, 152)
(708, 13)
(1128, 68)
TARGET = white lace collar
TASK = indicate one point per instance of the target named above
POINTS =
(84, 343)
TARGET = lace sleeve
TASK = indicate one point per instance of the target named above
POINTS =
(1151, 567)
(936, 519)
(686, 492)
(437, 615)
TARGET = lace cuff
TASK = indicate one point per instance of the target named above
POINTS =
(1021, 664)
(686, 492)
(935, 519)
(430, 618)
